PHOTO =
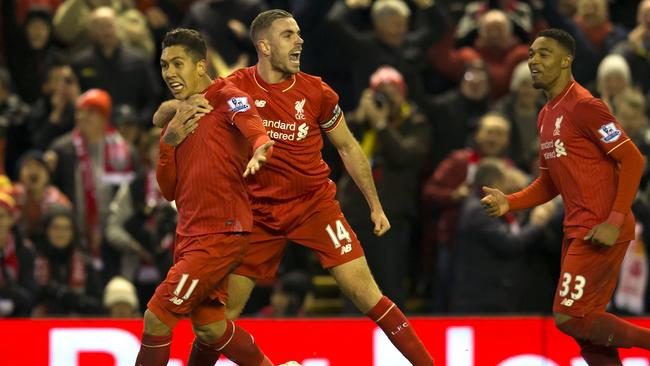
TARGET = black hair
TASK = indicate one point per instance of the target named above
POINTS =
(562, 37)
(190, 39)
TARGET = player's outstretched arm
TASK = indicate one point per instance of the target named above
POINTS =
(357, 165)
(540, 191)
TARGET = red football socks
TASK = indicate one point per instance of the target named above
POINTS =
(154, 350)
(393, 322)
(236, 344)
(599, 355)
(203, 354)
(604, 329)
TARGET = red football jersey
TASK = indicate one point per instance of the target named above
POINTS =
(577, 133)
(294, 112)
(210, 191)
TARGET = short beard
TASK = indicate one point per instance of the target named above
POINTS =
(278, 66)
(538, 85)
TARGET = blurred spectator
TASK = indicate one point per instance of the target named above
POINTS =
(292, 295)
(67, 282)
(521, 107)
(114, 66)
(17, 285)
(28, 48)
(73, 18)
(14, 139)
(612, 78)
(455, 114)
(592, 17)
(495, 45)
(23, 7)
(225, 25)
(391, 43)
(53, 113)
(142, 225)
(489, 261)
(394, 134)
(519, 13)
(127, 123)
(120, 299)
(630, 108)
(91, 162)
(637, 48)
(34, 194)
(449, 185)
(567, 8)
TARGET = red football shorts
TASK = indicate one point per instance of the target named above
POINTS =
(588, 276)
(197, 284)
(314, 220)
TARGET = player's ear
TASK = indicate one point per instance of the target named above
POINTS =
(264, 47)
(202, 67)
(566, 61)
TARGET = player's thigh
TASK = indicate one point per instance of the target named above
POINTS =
(588, 277)
(263, 255)
(239, 291)
(199, 273)
(329, 235)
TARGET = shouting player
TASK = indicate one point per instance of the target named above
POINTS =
(588, 159)
(293, 198)
(214, 215)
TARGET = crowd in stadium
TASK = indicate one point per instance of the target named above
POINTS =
(84, 230)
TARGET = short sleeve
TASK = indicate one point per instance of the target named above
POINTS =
(595, 122)
(331, 113)
(235, 101)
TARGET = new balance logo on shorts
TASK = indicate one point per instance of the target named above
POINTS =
(566, 302)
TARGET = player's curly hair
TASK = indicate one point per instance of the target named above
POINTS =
(562, 37)
(192, 40)
(264, 20)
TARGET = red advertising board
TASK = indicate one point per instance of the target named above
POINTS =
(512, 341)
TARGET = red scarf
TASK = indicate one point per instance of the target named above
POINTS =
(118, 168)
(596, 35)
(9, 260)
(472, 166)
(76, 278)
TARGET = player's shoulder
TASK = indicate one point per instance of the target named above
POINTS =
(305, 79)
(241, 75)
(222, 93)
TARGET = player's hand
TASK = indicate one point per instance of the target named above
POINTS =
(258, 159)
(380, 220)
(603, 234)
(184, 122)
(495, 202)
(198, 102)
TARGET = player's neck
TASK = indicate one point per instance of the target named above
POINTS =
(558, 86)
(269, 74)
(202, 84)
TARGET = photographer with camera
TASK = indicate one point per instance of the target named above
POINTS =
(395, 137)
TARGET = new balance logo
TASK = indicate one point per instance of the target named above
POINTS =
(303, 130)
(346, 249)
(566, 302)
(560, 150)
(260, 103)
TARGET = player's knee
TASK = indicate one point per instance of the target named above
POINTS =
(233, 312)
(154, 326)
(210, 333)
